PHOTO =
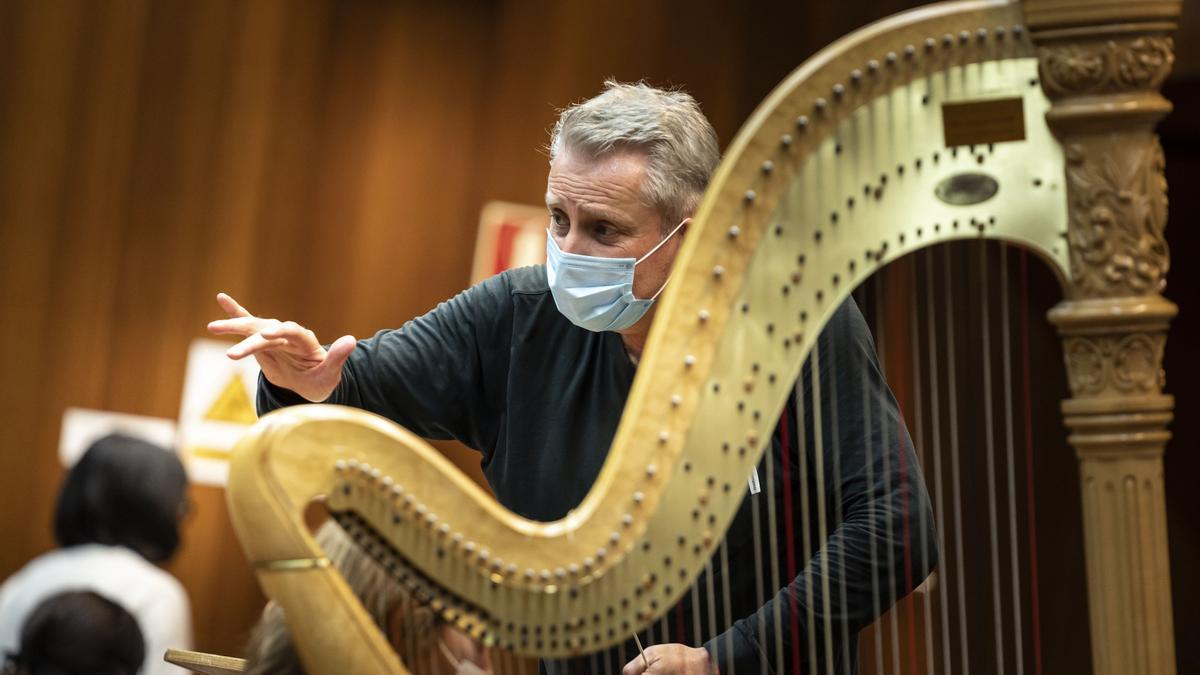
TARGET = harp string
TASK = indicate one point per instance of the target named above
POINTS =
(834, 444)
(872, 546)
(664, 628)
(727, 635)
(936, 426)
(923, 455)
(955, 473)
(885, 443)
(790, 549)
(990, 455)
(759, 587)
(806, 538)
(892, 617)
(822, 515)
(1030, 505)
(1009, 451)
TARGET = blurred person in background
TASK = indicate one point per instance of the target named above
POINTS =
(117, 519)
(78, 633)
(425, 643)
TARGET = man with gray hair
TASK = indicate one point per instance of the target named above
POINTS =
(532, 368)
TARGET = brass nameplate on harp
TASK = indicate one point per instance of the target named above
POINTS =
(981, 122)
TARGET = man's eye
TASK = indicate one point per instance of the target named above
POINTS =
(604, 230)
(558, 221)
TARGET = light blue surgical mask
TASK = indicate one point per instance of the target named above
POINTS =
(597, 293)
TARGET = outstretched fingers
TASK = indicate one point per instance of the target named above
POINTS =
(231, 306)
(244, 326)
(253, 345)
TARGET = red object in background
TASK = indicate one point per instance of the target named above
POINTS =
(507, 234)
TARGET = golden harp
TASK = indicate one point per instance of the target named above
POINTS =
(1031, 123)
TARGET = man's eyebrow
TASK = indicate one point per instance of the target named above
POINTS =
(553, 202)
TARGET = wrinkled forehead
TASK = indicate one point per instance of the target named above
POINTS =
(613, 181)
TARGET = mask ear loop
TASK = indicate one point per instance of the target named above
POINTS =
(664, 240)
(659, 245)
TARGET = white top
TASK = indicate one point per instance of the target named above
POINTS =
(154, 597)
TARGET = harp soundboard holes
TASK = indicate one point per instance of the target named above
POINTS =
(802, 123)
(929, 44)
(785, 141)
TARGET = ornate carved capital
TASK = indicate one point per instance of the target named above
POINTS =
(1118, 213)
(1115, 364)
(1105, 66)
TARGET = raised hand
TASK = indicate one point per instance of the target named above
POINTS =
(289, 354)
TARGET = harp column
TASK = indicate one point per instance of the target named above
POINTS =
(1102, 63)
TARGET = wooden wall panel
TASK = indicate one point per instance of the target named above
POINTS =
(322, 160)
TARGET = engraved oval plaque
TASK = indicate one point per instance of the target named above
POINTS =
(964, 189)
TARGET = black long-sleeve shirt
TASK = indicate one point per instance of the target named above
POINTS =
(500, 369)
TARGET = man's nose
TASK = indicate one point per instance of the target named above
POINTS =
(573, 242)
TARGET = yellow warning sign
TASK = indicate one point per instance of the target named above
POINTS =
(233, 405)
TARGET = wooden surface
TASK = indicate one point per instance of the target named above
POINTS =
(209, 664)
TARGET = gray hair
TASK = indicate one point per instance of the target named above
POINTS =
(679, 142)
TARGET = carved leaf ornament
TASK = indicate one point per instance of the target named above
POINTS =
(1118, 214)
(1130, 364)
(1108, 66)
